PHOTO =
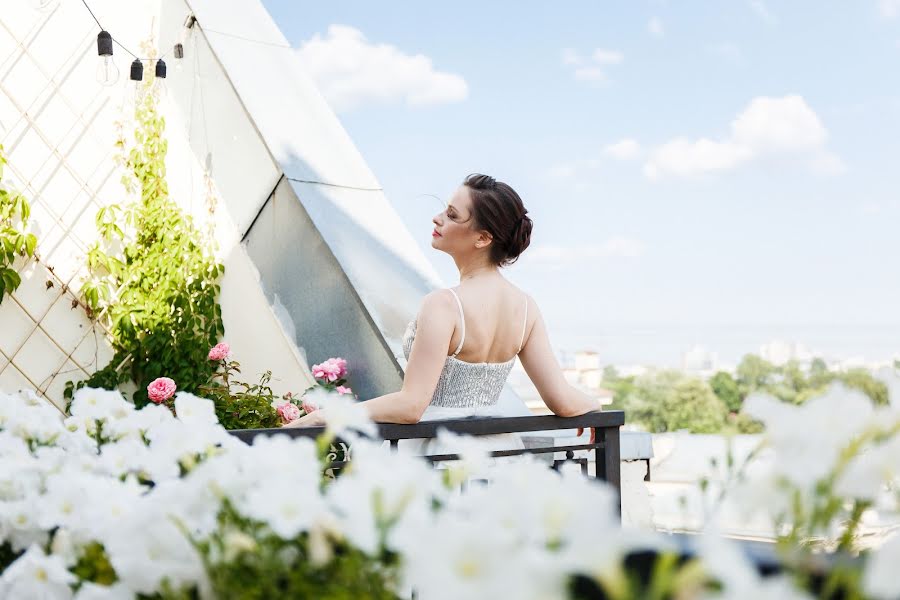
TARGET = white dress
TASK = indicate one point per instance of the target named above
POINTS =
(465, 389)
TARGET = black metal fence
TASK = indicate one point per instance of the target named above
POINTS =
(605, 447)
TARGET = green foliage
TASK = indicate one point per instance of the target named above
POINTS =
(790, 383)
(244, 559)
(866, 383)
(7, 555)
(154, 280)
(15, 240)
(726, 388)
(93, 565)
(753, 373)
(621, 387)
(670, 400)
(241, 405)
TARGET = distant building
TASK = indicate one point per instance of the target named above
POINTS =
(587, 360)
(779, 352)
(700, 361)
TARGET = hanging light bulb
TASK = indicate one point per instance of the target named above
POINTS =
(107, 71)
(178, 50)
(178, 53)
(137, 70)
(159, 82)
(137, 77)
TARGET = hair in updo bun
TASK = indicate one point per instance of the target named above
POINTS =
(498, 209)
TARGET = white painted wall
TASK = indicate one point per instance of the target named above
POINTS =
(57, 127)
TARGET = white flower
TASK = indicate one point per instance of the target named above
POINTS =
(149, 548)
(342, 414)
(195, 410)
(474, 456)
(725, 562)
(868, 472)
(94, 591)
(289, 506)
(19, 525)
(880, 579)
(808, 438)
(99, 404)
(383, 490)
(36, 575)
(139, 422)
(132, 456)
(467, 558)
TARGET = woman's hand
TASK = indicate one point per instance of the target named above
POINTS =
(313, 419)
(580, 430)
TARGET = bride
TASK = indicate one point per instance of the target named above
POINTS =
(462, 345)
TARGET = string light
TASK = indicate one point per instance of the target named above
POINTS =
(107, 71)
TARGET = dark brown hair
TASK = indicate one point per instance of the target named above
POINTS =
(498, 209)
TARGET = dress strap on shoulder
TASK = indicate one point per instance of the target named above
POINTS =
(462, 320)
(524, 324)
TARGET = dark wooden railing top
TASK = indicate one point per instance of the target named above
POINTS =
(468, 425)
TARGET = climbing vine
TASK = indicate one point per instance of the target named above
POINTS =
(153, 276)
(15, 240)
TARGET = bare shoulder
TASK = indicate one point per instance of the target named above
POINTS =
(532, 303)
(438, 303)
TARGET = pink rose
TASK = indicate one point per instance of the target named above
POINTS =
(220, 351)
(343, 390)
(309, 406)
(288, 412)
(332, 369)
(161, 389)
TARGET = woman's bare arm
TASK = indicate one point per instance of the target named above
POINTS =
(542, 367)
(434, 329)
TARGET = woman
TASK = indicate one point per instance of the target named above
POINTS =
(464, 341)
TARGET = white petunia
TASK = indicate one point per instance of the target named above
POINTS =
(724, 561)
(149, 548)
(342, 415)
(195, 410)
(137, 423)
(808, 438)
(383, 492)
(867, 473)
(36, 575)
(18, 523)
(99, 404)
(94, 591)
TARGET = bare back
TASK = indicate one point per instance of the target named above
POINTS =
(496, 321)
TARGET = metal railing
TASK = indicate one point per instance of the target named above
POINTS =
(605, 424)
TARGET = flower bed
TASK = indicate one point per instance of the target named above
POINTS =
(119, 502)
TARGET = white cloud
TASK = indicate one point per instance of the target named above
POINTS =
(760, 8)
(766, 128)
(889, 8)
(621, 247)
(682, 157)
(351, 71)
(627, 149)
(655, 27)
(778, 125)
(593, 68)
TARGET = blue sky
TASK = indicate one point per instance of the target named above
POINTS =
(698, 172)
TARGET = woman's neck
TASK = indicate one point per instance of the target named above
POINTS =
(472, 271)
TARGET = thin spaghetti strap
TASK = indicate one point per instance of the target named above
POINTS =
(524, 324)
(462, 320)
